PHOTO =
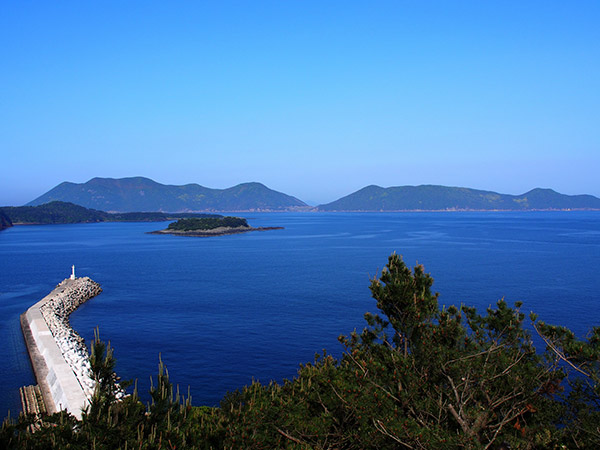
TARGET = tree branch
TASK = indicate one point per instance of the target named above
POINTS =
(559, 353)
(379, 426)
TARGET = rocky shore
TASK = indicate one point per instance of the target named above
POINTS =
(221, 231)
(56, 310)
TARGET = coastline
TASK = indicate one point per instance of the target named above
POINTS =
(221, 231)
(58, 355)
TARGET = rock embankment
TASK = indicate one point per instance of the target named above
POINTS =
(69, 294)
(58, 354)
(221, 231)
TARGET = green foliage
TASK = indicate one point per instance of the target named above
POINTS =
(406, 301)
(582, 399)
(5, 221)
(169, 422)
(52, 213)
(107, 387)
(195, 224)
(416, 377)
(57, 212)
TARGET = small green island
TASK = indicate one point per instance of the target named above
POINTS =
(210, 226)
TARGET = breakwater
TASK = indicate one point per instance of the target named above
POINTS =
(58, 354)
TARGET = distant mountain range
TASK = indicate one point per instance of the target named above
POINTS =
(144, 194)
(443, 198)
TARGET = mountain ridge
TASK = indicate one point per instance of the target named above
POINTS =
(145, 194)
(429, 197)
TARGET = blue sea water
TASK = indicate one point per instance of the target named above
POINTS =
(222, 311)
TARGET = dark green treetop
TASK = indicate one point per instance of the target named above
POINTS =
(195, 224)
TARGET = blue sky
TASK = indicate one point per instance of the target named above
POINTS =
(315, 99)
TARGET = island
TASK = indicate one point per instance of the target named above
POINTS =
(58, 212)
(210, 226)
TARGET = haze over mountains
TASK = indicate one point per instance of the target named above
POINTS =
(144, 194)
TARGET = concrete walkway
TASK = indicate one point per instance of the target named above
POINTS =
(61, 390)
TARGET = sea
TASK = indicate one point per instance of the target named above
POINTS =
(223, 311)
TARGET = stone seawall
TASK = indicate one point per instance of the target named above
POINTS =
(58, 354)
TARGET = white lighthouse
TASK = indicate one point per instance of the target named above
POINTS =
(73, 272)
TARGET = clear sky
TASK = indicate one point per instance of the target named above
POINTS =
(316, 99)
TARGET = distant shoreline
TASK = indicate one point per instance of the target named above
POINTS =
(452, 210)
(306, 211)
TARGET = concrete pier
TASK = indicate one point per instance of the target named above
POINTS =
(58, 355)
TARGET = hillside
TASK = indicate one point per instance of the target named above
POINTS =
(144, 194)
(57, 212)
(5, 221)
(52, 213)
(437, 198)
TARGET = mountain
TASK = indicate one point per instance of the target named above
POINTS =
(144, 194)
(436, 198)
(63, 212)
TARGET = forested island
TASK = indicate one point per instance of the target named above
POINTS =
(416, 377)
(58, 212)
(187, 224)
(210, 226)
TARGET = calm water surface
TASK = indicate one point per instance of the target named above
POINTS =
(224, 310)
